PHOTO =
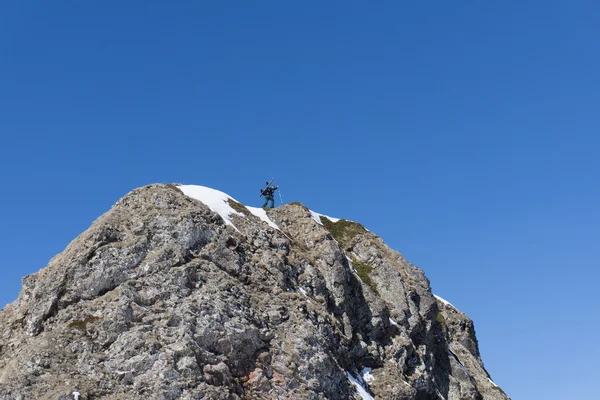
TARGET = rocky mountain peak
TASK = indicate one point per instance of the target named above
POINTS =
(181, 292)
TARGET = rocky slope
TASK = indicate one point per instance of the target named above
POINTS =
(164, 298)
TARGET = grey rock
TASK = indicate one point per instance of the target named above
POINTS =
(160, 299)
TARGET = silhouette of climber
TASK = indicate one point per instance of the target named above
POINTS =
(268, 193)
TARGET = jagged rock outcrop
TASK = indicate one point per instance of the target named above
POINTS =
(162, 298)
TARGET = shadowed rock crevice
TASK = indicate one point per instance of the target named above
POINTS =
(161, 298)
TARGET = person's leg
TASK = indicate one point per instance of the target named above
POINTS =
(266, 201)
(272, 200)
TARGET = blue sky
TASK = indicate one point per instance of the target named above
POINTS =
(464, 133)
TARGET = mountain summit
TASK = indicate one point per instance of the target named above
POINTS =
(181, 292)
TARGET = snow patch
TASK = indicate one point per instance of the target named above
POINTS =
(76, 395)
(492, 382)
(446, 302)
(393, 322)
(317, 217)
(367, 376)
(262, 214)
(305, 295)
(216, 200)
(359, 387)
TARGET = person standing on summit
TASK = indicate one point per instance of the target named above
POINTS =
(268, 193)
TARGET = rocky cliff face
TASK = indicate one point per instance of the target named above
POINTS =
(164, 298)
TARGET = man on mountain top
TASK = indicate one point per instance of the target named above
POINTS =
(268, 193)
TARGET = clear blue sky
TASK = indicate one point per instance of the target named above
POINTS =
(465, 133)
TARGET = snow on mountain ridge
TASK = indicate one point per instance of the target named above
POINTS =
(218, 202)
(446, 302)
(214, 199)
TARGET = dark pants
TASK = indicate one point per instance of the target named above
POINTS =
(269, 199)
